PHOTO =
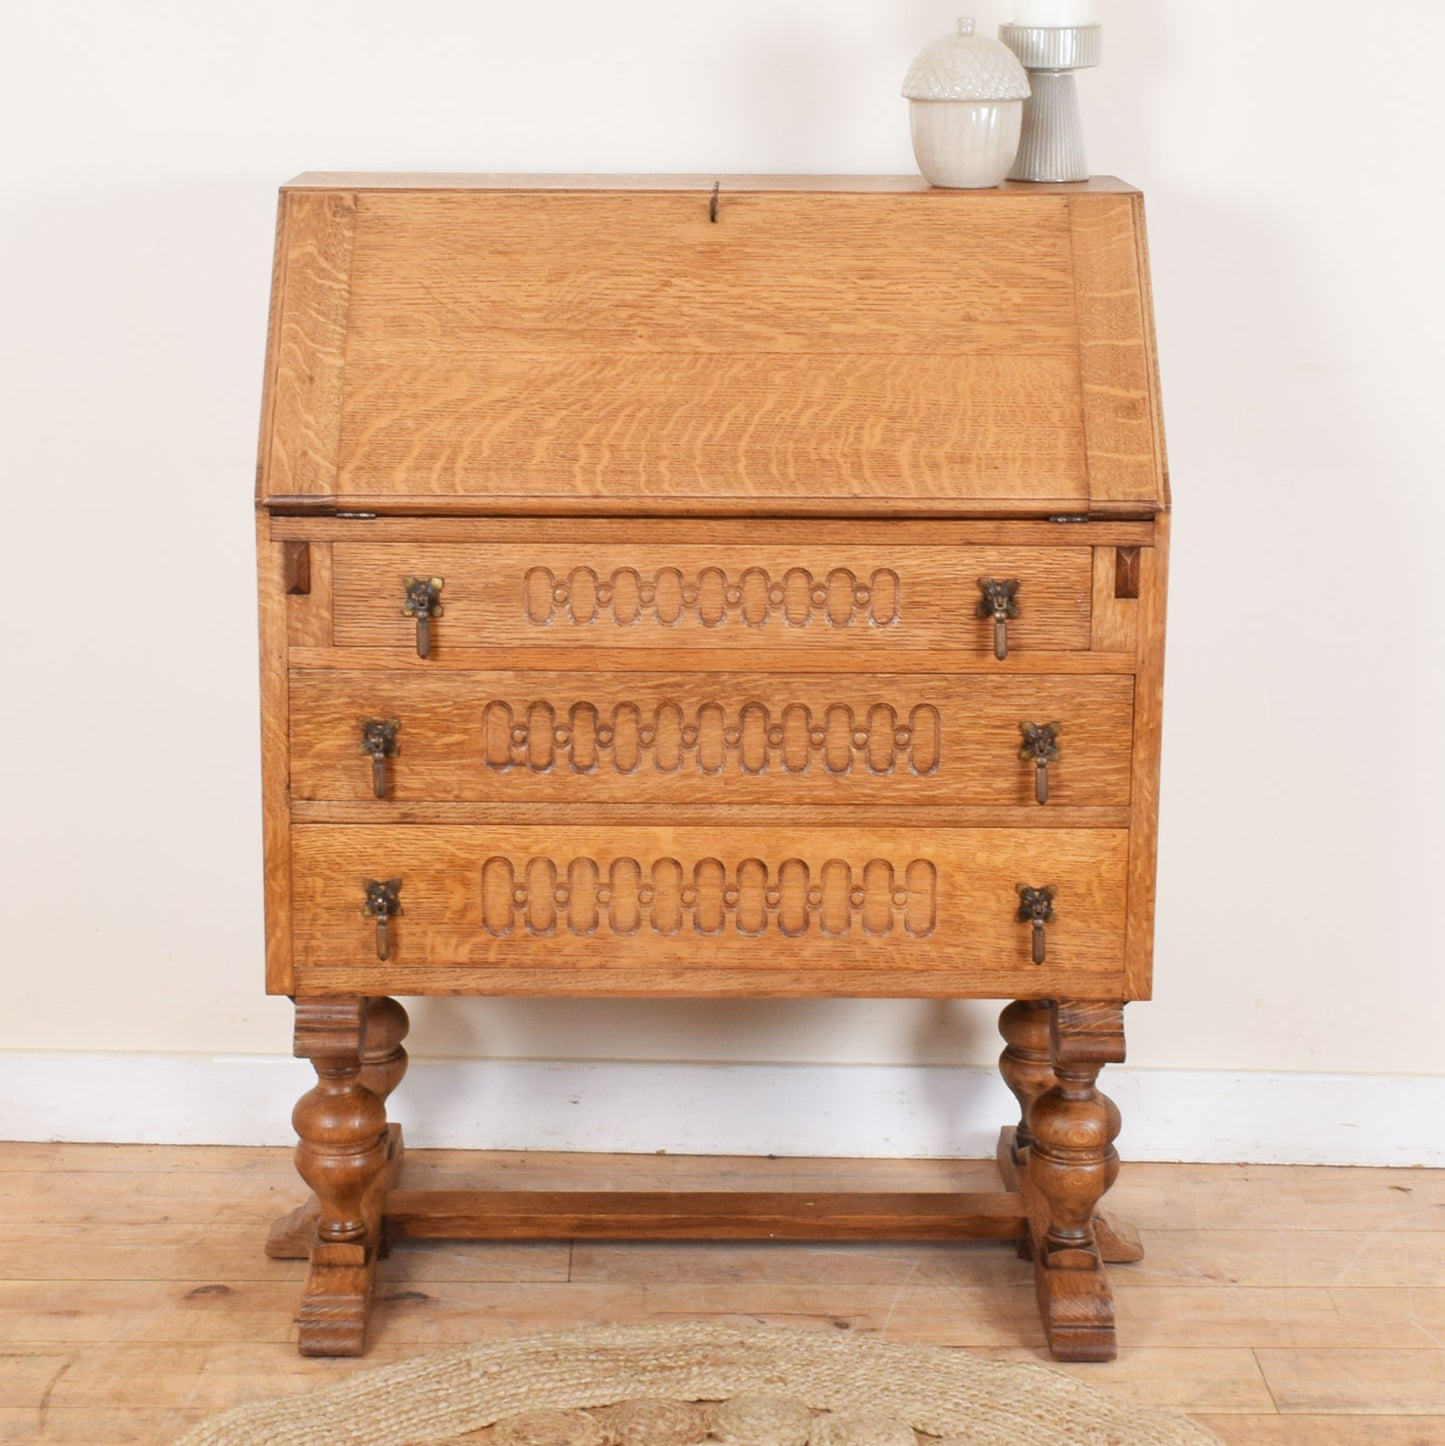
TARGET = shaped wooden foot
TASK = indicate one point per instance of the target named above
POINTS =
(383, 1064)
(342, 1155)
(293, 1234)
(1027, 1069)
(1118, 1241)
(1070, 1165)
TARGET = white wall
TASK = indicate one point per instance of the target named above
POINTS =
(1292, 177)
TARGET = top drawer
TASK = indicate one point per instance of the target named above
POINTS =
(854, 595)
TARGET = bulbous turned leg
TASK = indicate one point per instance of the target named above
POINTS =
(1071, 1163)
(383, 1060)
(1028, 1071)
(342, 1126)
(342, 1155)
(383, 1064)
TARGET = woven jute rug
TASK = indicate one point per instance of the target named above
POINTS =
(701, 1385)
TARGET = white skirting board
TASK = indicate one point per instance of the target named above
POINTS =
(881, 1111)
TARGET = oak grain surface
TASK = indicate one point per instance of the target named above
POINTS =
(604, 899)
(1148, 745)
(866, 596)
(872, 345)
(274, 605)
(306, 355)
(457, 275)
(589, 657)
(1121, 425)
(736, 533)
(738, 738)
(594, 344)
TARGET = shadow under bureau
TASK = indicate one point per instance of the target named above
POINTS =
(674, 587)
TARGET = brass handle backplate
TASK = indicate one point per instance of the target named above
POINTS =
(1041, 748)
(378, 739)
(423, 602)
(383, 903)
(999, 602)
(1036, 908)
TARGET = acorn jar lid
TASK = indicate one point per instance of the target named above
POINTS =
(965, 66)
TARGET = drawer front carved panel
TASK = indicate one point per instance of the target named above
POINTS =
(870, 593)
(541, 896)
(604, 897)
(753, 597)
(710, 737)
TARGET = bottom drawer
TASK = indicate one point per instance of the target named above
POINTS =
(696, 910)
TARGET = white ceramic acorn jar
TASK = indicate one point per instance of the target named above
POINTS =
(966, 98)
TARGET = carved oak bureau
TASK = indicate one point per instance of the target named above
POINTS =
(673, 587)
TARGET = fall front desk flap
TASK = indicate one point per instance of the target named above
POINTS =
(673, 345)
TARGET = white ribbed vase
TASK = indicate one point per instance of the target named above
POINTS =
(1051, 147)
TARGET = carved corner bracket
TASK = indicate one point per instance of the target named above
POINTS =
(1086, 1032)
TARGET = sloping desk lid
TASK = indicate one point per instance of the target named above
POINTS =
(796, 345)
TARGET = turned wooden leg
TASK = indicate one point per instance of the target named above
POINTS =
(1027, 1069)
(342, 1155)
(1070, 1164)
(383, 1064)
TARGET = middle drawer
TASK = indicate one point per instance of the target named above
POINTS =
(710, 737)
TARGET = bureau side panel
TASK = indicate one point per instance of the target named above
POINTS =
(1151, 348)
(275, 756)
(1144, 804)
(1116, 360)
(301, 413)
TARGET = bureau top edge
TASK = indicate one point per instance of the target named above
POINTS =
(641, 181)
(652, 509)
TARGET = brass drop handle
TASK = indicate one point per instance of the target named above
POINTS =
(383, 903)
(378, 739)
(999, 602)
(423, 601)
(1036, 908)
(1041, 748)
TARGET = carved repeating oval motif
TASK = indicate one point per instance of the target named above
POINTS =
(709, 739)
(754, 598)
(538, 896)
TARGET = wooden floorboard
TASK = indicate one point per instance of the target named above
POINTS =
(1276, 1304)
